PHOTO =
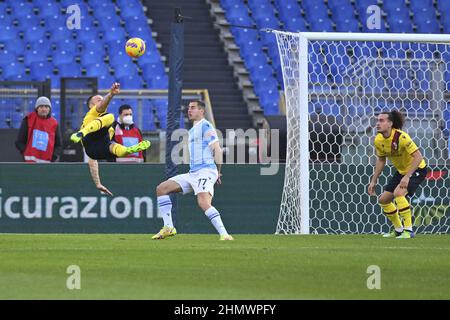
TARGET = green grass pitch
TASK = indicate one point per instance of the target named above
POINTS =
(190, 266)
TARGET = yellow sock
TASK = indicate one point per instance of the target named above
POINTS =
(98, 123)
(119, 150)
(390, 211)
(404, 209)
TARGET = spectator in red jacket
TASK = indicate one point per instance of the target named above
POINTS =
(127, 134)
(39, 139)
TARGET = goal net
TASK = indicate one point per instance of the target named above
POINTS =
(335, 85)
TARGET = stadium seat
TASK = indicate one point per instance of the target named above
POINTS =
(152, 69)
(114, 34)
(31, 56)
(15, 47)
(21, 8)
(119, 58)
(321, 25)
(87, 33)
(8, 33)
(62, 57)
(105, 9)
(34, 34)
(60, 33)
(126, 69)
(105, 81)
(91, 57)
(132, 81)
(38, 70)
(27, 22)
(227, 4)
(69, 45)
(288, 9)
(47, 8)
(295, 25)
(400, 26)
(347, 25)
(13, 71)
(69, 70)
(428, 26)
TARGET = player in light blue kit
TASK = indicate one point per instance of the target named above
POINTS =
(205, 164)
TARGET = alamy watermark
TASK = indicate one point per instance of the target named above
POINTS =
(73, 281)
(374, 17)
(374, 280)
(250, 147)
(74, 19)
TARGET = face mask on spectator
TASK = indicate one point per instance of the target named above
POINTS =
(127, 120)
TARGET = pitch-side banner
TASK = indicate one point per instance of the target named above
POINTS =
(61, 198)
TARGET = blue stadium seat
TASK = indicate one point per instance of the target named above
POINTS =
(15, 47)
(114, 34)
(38, 70)
(443, 5)
(55, 21)
(69, 45)
(107, 23)
(159, 82)
(126, 69)
(6, 20)
(119, 58)
(428, 26)
(21, 8)
(243, 36)
(69, 70)
(342, 11)
(87, 33)
(321, 25)
(48, 8)
(250, 48)
(91, 57)
(295, 25)
(13, 71)
(63, 57)
(151, 69)
(315, 9)
(105, 81)
(104, 10)
(227, 4)
(31, 56)
(96, 70)
(149, 57)
(269, 102)
(27, 22)
(267, 21)
(131, 82)
(347, 25)
(419, 4)
(8, 33)
(288, 9)
(400, 26)
(131, 10)
(60, 33)
(255, 60)
(34, 34)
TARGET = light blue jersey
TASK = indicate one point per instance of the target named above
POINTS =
(201, 136)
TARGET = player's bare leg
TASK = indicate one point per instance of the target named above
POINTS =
(204, 200)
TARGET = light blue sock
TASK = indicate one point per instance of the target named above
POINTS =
(214, 216)
(165, 207)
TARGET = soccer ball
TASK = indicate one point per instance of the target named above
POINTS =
(135, 47)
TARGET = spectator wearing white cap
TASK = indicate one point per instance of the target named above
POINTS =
(39, 138)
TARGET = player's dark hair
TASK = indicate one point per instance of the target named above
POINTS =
(124, 107)
(200, 104)
(397, 119)
(88, 100)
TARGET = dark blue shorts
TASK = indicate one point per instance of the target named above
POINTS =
(96, 145)
(416, 179)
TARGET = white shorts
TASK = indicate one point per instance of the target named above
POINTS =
(202, 180)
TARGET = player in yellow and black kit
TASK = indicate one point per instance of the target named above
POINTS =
(398, 147)
(96, 133)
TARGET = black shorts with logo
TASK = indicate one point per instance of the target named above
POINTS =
(416, 179)
(96, 145)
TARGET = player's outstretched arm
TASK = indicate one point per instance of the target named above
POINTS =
(93, 168)
(115, 89)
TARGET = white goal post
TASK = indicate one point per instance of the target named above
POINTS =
(335, 84)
